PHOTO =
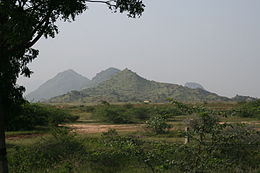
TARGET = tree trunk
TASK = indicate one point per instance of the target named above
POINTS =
(3, 158)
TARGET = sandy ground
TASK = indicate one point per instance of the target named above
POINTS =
(98, 128)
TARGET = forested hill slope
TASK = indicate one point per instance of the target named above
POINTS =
(127, 86)
(103, 76)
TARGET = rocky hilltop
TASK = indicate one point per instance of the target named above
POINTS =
(194, 85)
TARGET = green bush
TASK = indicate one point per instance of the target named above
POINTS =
(87, 108)
(249, 109)
(167, 110)
(112, 114)
(121, 114)
(32, 115)
(223, 148)
(158, 124)
(215, 146)
(62, 151)
(137, 113)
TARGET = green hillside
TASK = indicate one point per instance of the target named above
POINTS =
(127, 86)
(102, 76)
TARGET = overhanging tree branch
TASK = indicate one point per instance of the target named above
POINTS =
(109, 3)
(40, 34)
(23, 23)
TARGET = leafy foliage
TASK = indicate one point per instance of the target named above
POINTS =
(62, 151)
(120, 114)
(248, 109)
(32, 115)
(158, 124)
(112, 114)
(218, 146)
(23, 23)
(225, 148)
(128, 113)
(28, 21)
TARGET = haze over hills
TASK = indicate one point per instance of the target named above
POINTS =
(67, 81)
(62, 83)
(127, 86)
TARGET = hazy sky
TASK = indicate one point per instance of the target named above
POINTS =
(213, 42)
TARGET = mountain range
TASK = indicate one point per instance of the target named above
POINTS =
(127, 86)
(67, 81)
(114, 85)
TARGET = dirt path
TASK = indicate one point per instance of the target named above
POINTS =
(98, 128)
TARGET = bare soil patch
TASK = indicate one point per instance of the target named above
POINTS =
(99, 128)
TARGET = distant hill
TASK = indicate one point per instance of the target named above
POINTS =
(194, 85)
(60, 84)
(127, 86)
(239, 98)
(102, 76)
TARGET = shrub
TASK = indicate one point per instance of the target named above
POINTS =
(121, 114)
(57, 116)
(249, 109)
(112, 114)
(217, 146)
(158, 124)
(138, 113)
(87, 108)
(62, 151)
(129, 113)
(32, 115)
(167, 110)
(117, 154)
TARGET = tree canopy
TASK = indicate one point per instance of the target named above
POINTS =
(22, 24)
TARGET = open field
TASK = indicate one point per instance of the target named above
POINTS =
(99, 142)
(87, 124)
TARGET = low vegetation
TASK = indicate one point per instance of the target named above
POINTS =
(213, 147)
(158, 124)
(31, 116)
(129, 113)
(248, 109)
(213, 142)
